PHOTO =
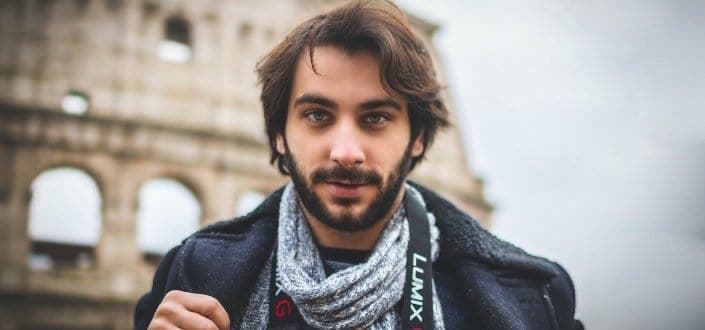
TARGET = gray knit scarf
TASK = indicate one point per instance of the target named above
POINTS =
(360, 296)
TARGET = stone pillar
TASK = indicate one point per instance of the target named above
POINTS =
(117, 253)
(13, 221)
(6, 212)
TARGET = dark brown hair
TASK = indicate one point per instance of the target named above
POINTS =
(406, 67)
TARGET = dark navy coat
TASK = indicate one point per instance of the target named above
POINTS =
(503, 287)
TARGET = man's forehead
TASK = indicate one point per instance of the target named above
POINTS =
(331, 64)
(326, 60)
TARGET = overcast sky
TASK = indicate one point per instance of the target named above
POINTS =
(587, 121)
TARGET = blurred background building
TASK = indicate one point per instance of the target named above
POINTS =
(127, 124)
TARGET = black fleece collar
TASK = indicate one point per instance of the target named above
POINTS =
(462, 238)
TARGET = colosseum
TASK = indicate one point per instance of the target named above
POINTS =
(127, 124)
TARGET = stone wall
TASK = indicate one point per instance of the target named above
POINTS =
(197, 122)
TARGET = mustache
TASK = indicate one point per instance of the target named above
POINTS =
(355, 175)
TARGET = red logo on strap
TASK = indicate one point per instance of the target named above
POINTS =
(283, 308)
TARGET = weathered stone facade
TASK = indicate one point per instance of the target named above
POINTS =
(198, 122)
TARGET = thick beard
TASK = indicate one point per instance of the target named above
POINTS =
(375, 211)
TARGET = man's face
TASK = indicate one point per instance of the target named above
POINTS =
(347, 141)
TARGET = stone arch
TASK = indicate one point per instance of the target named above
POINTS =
(193, 184)
(247, 200)
(140, 173)
(95, 174)
(64, 217)
(165, 202)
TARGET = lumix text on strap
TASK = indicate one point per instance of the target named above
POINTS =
(417, 312)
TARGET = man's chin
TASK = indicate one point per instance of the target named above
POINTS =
(346, 223)
(343, 212)
(346, 205)
(346, 215)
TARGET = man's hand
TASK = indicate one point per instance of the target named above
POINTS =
(185, 310)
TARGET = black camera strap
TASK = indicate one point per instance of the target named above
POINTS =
(417, 299)
(283, 313)
(417, 312)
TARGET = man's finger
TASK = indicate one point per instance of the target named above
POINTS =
(193, 320)
(208, 307)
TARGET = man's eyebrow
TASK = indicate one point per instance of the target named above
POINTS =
(315, 99)
(380, 103)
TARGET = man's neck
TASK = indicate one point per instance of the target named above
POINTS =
(353, 240)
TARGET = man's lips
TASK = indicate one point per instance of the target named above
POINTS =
(345, 182)
(345, 188)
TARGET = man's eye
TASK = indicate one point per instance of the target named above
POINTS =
(317, 116)
(376, 118)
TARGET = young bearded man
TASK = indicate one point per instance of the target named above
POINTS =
(351, 104)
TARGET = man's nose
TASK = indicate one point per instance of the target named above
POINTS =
(347, 147)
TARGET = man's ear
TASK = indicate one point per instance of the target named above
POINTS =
(417, 146)
(280, 144)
